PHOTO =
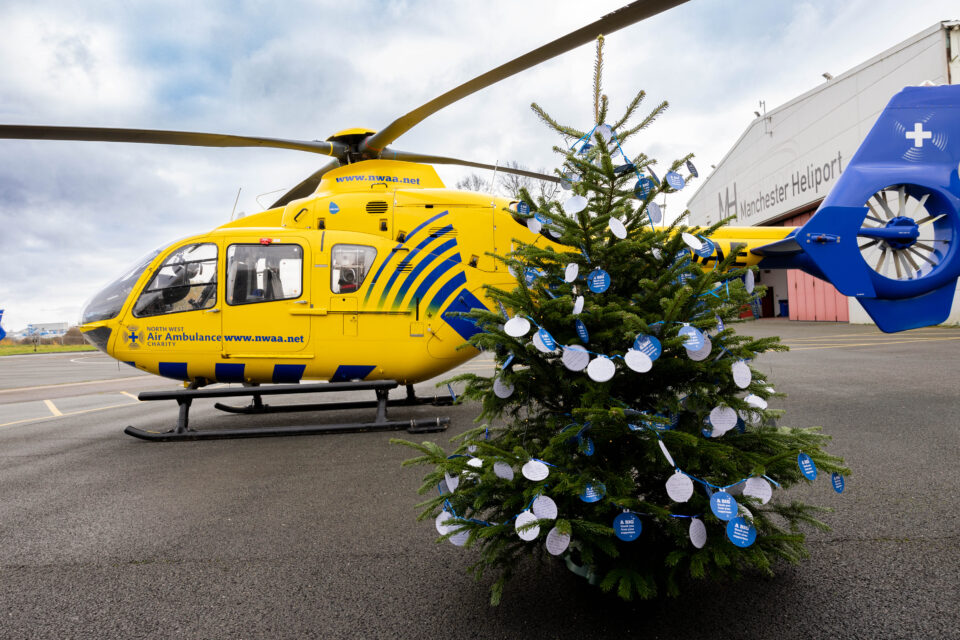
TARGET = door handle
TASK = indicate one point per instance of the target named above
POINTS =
(214, 310)
(302, 302)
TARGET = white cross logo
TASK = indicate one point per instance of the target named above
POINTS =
(918, 134)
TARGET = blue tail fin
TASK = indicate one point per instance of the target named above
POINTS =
(3, 334)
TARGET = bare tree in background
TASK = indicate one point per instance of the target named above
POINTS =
(473, 182)
(512, 183)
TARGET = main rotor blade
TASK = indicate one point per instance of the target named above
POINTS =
(623, 17)
(307, 186)
(407, 156)
(153, 136)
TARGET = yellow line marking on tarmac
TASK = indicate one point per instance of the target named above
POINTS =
(67, 384)
(67, 415)
(130, 395)
(866, 344)
(53, 408)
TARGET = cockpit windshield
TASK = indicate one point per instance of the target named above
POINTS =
(108, 301)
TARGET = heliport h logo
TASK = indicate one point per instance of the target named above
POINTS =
(132, 337)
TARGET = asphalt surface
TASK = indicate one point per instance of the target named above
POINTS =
(105, 536)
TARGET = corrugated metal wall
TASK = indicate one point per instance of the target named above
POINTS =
(812, 298)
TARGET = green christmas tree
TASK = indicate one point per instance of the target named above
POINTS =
(624, 431)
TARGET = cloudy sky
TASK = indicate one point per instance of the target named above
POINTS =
(74, 215)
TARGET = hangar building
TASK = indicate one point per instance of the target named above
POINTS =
(789, 158)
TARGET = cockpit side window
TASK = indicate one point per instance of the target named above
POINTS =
(264, 272)
(351, 262)
(186, 281)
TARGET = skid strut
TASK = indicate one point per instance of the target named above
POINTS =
(381, 422)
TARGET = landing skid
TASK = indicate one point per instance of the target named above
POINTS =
(185, 398)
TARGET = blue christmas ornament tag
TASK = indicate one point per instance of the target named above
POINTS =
(530, 276)
(706, 248)
(723, 505)
(675, 180)
(523, 208)
(692, 169)
(586, 445)
(627, 526)
(585, 149)
(643, 188)
(694, 338)
(547, 339)
(598, 281)
(593, 492)
(741, 532)
(582, 332)
(807, 468)
(653, 175)
(648, 345)
(838, 482)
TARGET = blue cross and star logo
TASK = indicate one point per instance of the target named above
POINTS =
(133, 337)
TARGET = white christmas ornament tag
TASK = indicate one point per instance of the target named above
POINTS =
(441, 522)
(698, 533)
(557, 542)
(501, 389)
(748, 281)
(544, 508)
(523, 519)
(756, 401)
(575, 358)
(601, 369)
(534, 225)
(571, 272)
(517, 327)
(653, 210)
(666, 454)
(723, 419)
(638, 361)
(578, 305)
(605, 131)
(617, 228)
(703, 352)
(692, 241)
(535, 470)
(758, 488)
(576, 204)
(452, 481)
(476, 463)
(742, 376)
(679, 487)
(503, 470)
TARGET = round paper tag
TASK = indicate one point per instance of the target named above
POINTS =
(517, 327)
(544, 341)
(643, 188)
(617, 228)
(627, 526)
(605, 131)
(523, 208)
(576, 204)
(598, 281)
(565, 182)
(459, 539)
(692, 241)
(706, 248)
(679, 487)
(501, 389)
(585, 148)
(666, 454)
(530, 276)
(452, 481)
(442, 487)
(648, 345)
(578, 305)
(807, 468)
(838, 482)
(557, 542)
(593, 492)
(535, 470)
(675, 180)
(582, 332)
(749, 282)
(698, 533)
(503, 470)
(723, 418)
(692, 169)
(476, 463)
(638, 361)
(653, 210)
(601, 369)
(703, 352)
(575, 358)
(741, 532)
(571, 272)
(694, 338)
(742, 376)
(656, 253)
(756, 401)
(523, 519)
(758, 488)
(723, 505)
(443, 527)
(586, 446)
(534, 225)
(750, 418)
(545, 508)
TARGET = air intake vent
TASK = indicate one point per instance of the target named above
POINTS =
(404, 266)
(437, 232)
(378, 207)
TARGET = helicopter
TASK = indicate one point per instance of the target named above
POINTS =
(360, 274)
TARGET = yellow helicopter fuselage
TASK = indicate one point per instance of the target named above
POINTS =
(361, 280)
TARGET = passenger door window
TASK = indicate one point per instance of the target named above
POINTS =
(264, 272)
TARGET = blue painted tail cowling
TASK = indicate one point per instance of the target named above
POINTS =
(887, 233)
(3, 334)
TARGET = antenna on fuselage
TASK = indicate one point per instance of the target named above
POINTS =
(232, 213)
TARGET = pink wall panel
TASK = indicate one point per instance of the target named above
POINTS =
(811, 298)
